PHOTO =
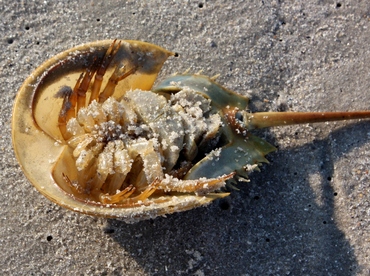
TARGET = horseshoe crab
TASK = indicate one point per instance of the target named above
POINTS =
(93, 135)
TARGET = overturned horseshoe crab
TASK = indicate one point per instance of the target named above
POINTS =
(94, 136)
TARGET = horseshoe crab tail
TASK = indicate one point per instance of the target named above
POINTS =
(271, 119)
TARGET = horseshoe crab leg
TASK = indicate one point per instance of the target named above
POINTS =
(107, 59)
(123, 197)
(119, 74)
(83, 87)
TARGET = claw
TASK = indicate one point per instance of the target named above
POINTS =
(123, 198)
(107, 59)
(119, 74)
(83, 87)
(119, 197)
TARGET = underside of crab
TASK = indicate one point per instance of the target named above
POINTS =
(93, 134)
(137, 149)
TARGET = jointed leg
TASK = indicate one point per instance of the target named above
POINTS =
(107, 59)
(68, 107)
(74, 100)
(83, 87)
(119, 74)
(123, 197)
